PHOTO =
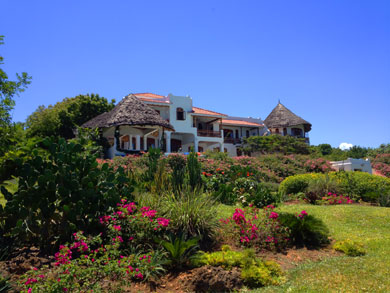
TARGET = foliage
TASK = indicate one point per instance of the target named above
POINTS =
(92, 141)
(318, 165)
(179, 250)
(5, 286)
(255, 273)
(384, 200)
(325, 149)
(320, 187)
(21, 151)
(59, 194)
(305, 230)
(262, 274)
(194, 170)
(332, 199)
(153, 157)
(134, 227)
(350, 247)
(254, 193)
(357, 152)
(192, 214)
(256, 228)
(275, 144)
(83, 265)
(381, 163)
(356, 185)
(64, 117)
(178, 165)
(8, 90)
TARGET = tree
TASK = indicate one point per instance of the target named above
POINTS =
(357, 152)
(8, 90)
(325, 149)
(64, 117)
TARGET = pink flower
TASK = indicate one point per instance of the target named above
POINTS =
(302, 214)
(273, 215)
(117, 227)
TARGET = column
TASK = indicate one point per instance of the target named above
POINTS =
(145, 143)
(168, 140)
(156, 143)
(138, 142)
(196, 143)
(131, 142)
(222, 147)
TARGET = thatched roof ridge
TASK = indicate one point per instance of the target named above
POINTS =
(283, 117)
(129, 111)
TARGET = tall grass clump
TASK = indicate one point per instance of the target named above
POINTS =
(192, 213)
(194, 170)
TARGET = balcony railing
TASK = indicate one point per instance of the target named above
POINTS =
(209, 133)
(232, 140)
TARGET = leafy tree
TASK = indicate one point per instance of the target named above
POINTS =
(63, 118)
(8, 90)
(325, 149)
(357, 152)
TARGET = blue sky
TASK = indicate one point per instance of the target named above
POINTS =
(327, 61)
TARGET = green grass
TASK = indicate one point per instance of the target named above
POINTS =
(370, 273)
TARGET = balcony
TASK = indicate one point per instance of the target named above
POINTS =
(209, 133)
(232, 140)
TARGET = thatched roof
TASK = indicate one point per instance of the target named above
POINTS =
(129, 111)
(283, 117)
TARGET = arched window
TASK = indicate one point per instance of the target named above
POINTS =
(180, 114)
(277, 130)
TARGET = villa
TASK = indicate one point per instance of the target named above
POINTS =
(173, 124)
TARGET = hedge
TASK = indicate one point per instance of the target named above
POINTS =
(359, 185)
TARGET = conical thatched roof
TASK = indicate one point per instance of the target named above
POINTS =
(283, 117)
(129, 111)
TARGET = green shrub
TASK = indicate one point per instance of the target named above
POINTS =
(60, 194)
(262, 274)
(320, 187)
(5, 286)
(305, 230)
(354, 184)
(384, 200)
(254, 272)
(350, 247)
(226, 258)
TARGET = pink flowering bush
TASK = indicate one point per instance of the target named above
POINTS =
(131, 226)
(258, 228)
(85, 263)
(319, 165)
(82, 264)
(333, 199)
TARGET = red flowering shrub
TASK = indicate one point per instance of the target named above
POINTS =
(258, 228)
(332, 199)
(132, 226)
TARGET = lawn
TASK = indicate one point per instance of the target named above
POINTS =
(369, 273)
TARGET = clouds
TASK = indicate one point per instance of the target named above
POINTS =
(345, 146)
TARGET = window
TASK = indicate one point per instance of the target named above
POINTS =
(247, 133)
(180, 114)
(237, 136)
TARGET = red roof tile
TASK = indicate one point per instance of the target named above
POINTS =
(206, 112)
(150, 95)
(240, 122)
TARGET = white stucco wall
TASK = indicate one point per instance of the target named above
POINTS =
(353, 165)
